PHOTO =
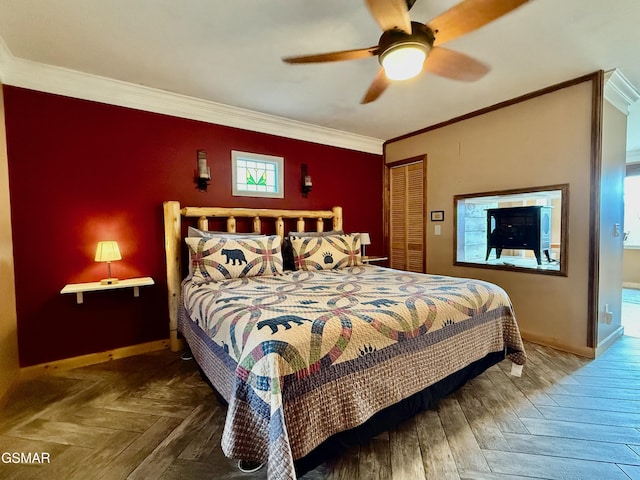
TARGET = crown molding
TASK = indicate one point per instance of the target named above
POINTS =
(50, 79)
(619, 91)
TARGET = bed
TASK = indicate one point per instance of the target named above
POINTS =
(328, 354)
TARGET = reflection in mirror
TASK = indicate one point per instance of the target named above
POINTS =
(522, 229)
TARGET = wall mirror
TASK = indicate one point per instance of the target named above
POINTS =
(522, 229)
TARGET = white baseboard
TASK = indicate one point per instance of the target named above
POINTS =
(610, 340)
(631, 285)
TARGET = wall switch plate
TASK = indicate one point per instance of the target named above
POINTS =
(437, 229)
(616, 229)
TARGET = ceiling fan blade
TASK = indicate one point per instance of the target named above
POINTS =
(469, 15)
(455, 65)
(334, 56)
(390, 14)
(379, 84)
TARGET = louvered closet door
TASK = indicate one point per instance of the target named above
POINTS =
(407, 217)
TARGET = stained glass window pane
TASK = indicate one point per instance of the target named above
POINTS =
(257, 175)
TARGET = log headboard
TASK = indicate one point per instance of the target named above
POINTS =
(173, 215)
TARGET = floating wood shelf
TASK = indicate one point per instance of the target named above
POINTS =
(80, 288)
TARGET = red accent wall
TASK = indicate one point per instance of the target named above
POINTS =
(81, 171)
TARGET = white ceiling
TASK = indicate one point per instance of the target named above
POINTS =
(229, 52)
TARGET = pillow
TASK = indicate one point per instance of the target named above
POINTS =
(219, 258)
(287, 250)
(194, 232)
(326, 253)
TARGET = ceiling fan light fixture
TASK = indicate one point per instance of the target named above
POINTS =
(403, 61)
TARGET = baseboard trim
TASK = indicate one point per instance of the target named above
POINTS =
(631, 285)
(610, 340)
(91, 359)
(587, 352)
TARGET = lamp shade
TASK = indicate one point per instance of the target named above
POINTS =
(108, 251)
(365, 239)
(403, 61)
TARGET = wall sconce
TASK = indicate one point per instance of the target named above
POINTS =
(108, 252)
(364, 241)
(307, 184)
(203, 173)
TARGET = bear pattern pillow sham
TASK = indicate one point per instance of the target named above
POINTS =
(218, 258)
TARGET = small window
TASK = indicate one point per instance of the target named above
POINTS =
(256, 175)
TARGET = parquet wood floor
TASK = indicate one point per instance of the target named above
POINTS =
(152, 417)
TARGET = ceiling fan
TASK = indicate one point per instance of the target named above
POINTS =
(407, 48)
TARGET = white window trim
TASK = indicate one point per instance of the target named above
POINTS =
(261, 158)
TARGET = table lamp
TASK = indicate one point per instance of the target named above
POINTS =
(364, 241)
(108, 252)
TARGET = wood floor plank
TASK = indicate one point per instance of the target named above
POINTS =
(599, 417)
(97, 460)
(469, 475)
(132, 456)
(346, 466)
(585, 431)
(437, 459)
(185, 469)
(204, 441)
(595, 391)
(147, 406)
(483, 426)
(632, 472)
(99, 417)
(63, 432)
(551, 468)
(464, 447)
(630, 372)
(404, 447)
(572, 448)
(68, 460)
(606, 382)
(11, 471)
(172, 446)
(500, 408)
(375, 460)
(519, 403)
(591, 403)
(532, 386)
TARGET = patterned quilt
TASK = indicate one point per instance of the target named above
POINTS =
(304, 355)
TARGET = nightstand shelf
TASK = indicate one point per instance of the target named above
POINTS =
(80, 288)
(373, 258)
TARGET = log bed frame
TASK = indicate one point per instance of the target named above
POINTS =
(381, 421)
(173, 236)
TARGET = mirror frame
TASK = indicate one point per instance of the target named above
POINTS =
(564, 229)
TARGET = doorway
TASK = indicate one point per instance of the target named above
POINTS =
(406, 183)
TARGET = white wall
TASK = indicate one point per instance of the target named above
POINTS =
(614, 134)
(9, 365)
(545, 140)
